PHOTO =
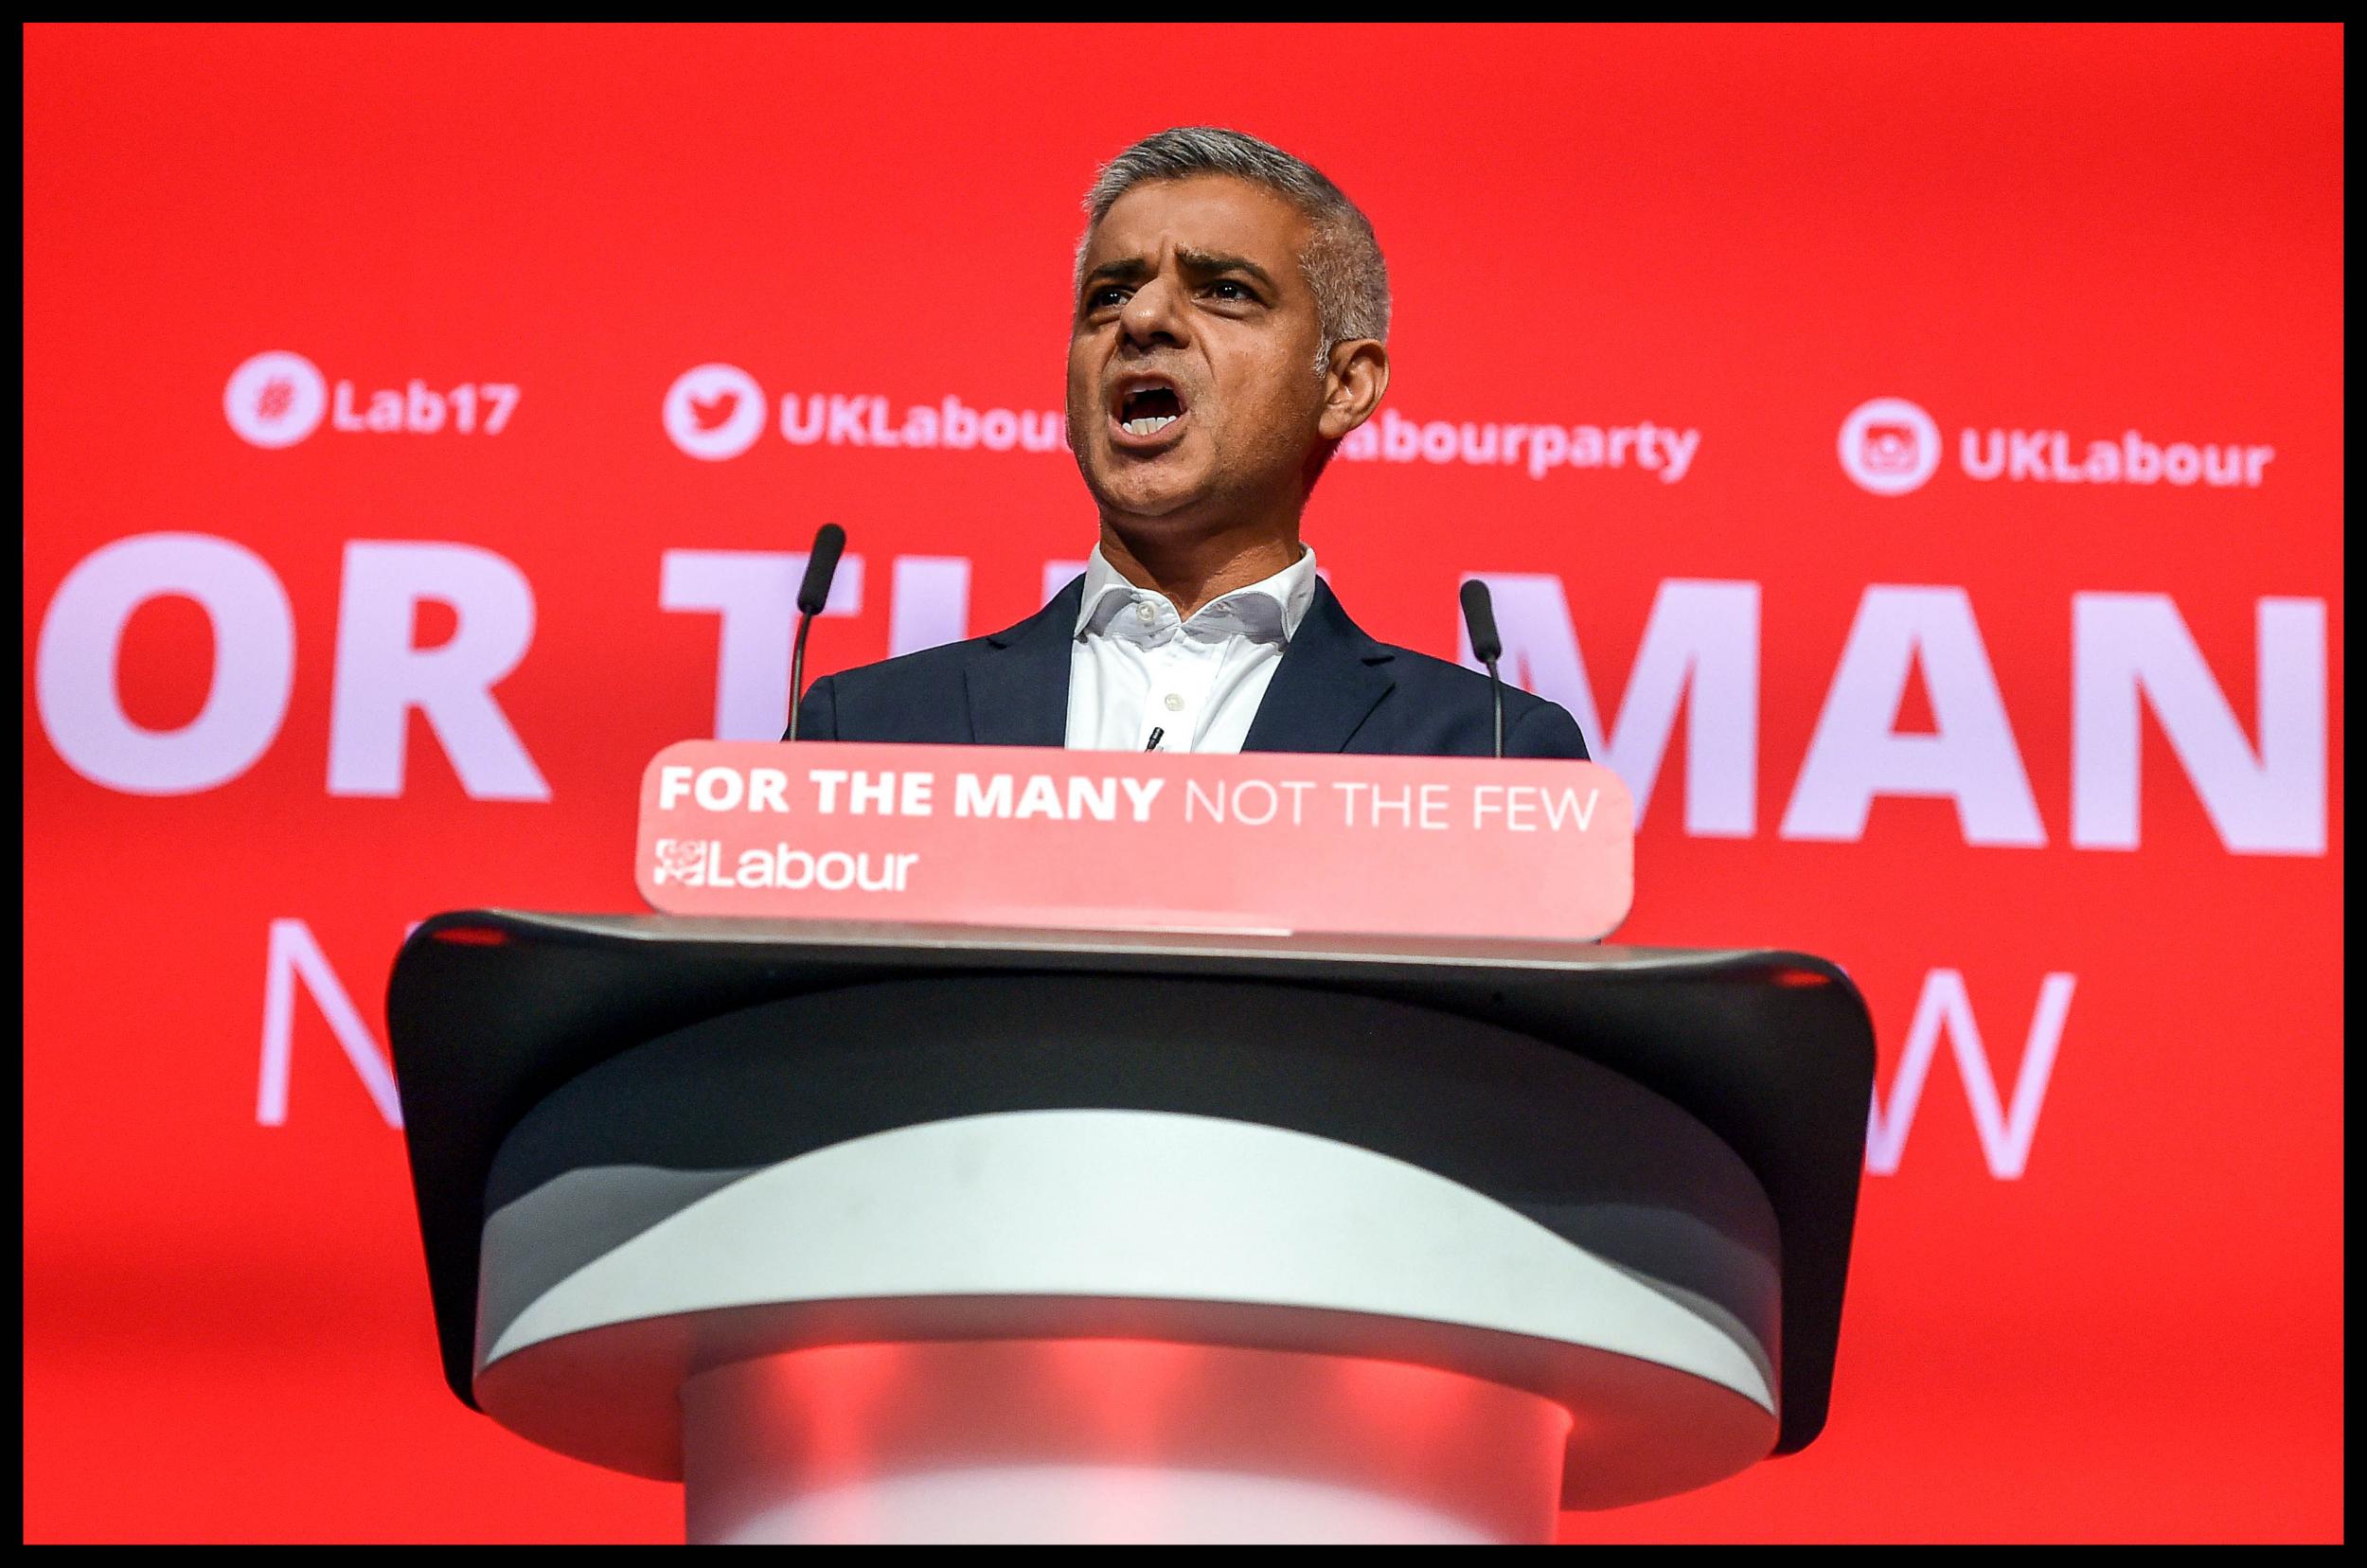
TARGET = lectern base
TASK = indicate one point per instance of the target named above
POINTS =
(1110, 1441)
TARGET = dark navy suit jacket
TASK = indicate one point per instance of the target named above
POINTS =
(1335, 690)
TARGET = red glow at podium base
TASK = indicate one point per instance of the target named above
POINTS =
(1108, 1440)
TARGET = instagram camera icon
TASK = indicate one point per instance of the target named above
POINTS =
(1889, 446)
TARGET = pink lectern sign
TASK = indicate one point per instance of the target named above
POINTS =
(1040, 838)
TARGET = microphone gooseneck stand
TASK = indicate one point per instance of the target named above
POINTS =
(1479, 616)
(821, 567)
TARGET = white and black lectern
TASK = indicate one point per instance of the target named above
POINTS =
(904, 1232)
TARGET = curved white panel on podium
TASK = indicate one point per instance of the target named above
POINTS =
(1215, 1231)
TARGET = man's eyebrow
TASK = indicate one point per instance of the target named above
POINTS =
(1131, 269)
(1210, 263)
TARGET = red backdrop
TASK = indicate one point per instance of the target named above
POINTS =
(2053, 767)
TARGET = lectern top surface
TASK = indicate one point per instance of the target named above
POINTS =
(1177, 942)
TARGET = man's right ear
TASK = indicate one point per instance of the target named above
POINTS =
(1353, 384)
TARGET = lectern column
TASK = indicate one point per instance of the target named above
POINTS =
(1112, 1441)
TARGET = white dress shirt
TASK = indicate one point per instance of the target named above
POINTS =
(1136, 666)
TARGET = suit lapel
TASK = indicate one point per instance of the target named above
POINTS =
(1329, 679)
(1018, 685)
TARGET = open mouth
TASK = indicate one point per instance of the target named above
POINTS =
(1147, 410)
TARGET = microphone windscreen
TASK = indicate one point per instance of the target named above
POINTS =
(819, 567)
(1478, 614)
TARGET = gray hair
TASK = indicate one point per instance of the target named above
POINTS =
(1343, 261)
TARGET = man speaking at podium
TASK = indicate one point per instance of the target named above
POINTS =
(1231, 312)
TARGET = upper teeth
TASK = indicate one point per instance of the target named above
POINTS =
(1149, 424)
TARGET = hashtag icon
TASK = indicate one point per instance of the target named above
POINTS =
(277, 394)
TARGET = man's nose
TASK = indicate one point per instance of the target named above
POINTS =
(1152, 314)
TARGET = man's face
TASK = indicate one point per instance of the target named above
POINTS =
(1192, 386)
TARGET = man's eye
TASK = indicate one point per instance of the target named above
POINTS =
(1104, 299)
(1225, 288)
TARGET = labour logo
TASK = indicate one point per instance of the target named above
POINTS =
(275, 399)
(1889, 446)
(713, 411)
(683, 861)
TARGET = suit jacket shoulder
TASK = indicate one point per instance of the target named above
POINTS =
(1534, 726)
(1008, 689)
(1445, 709)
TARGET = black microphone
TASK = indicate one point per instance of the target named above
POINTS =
(1478, 614)
(821, 567)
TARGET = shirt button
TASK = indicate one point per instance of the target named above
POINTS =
(1146, 613)
(1175, 703)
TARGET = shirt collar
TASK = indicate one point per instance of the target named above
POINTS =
(1268, 611)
